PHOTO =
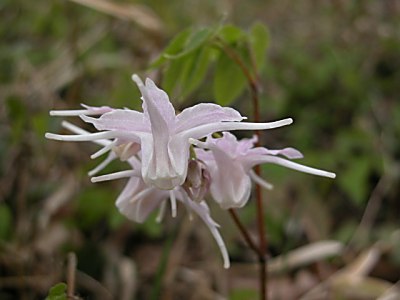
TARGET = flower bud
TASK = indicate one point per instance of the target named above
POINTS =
(198, 180)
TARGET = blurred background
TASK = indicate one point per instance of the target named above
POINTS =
(333, 66)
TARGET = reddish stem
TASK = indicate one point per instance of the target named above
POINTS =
(262, 247)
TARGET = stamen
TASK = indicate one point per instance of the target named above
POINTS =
(112, 176)
(260, 181)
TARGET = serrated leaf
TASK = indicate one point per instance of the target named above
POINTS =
(58, 292)
(259, 40)
(231, 34)
(229, 81)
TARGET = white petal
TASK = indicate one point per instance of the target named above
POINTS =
(205, 113)
(157, 167)
(119, 119)
(139, 209)
(91, 136)
(291, 165)
(111, 156)
(113, 176)
(142, 194)
(260, 181)
(89, 111)
(201, 209)
(156, 104)
(80, 137)
(289, 152)
(75, 129)
(230, 185)
(204, 130)
(157, 170)
(173, 203)
(103, 150)
(161, 212)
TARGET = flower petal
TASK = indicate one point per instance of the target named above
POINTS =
(204, 130)
(104, 135)
(89, 111)
(244, 145)
(202, 210)
(289, 152)
(140, 209)
(230, 184)
(261, 159)
(157, 169)
(156, 105)
(75, 129)
(205, 113)
(119, 119)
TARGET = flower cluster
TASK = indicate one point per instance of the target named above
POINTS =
(169, 160)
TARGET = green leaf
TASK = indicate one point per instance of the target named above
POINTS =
(196, 70)
(193, 42)
(354, 180)
(17, 113)
(94, 205)
(58, 292)
(183, 75)
(173, 75)
(40, 123)
(173, 48)
(229, 81)
(231, 34)
(239, 294)
(259, 40)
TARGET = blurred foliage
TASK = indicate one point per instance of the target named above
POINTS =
(58, 292)
(333, 66)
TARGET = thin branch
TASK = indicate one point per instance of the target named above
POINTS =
(244, 232)
(71, 270)
(262, 249)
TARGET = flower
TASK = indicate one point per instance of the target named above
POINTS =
(138, 200)
(230, 164)
(163, 136)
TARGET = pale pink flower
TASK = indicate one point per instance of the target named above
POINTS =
(138, 200)
(162, 135)
(230, 164)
